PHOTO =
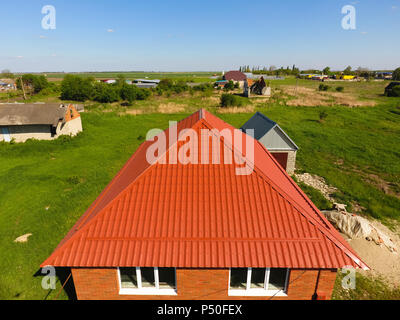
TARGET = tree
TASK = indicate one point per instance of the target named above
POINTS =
(76, 88)
(326, 71)
(229, 86)
(34, 82)
(6, 74)
(347, 71)
(396, 74)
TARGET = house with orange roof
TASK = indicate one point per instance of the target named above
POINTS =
(167, 229)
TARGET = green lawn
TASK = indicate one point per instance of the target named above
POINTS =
(66, 176)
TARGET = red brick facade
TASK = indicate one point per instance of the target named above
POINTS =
(201, 284)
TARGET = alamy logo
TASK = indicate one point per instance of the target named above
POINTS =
(49, 20)
(49, 281)
(349, 20)
(229, 146)
(349, 280)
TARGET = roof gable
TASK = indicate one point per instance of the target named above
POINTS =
(269, 133)
(203, 216)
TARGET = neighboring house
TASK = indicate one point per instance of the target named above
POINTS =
(7, 84)
(38, 121)
(109, 81)
(258, 87)
(200, 231)
(389, 89)
(146, 83)
(272, 136)
(220, 84)
(235, 76)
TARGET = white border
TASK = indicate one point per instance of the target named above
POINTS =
(251, 292)
(146, 291)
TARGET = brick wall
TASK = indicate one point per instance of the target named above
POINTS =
(200, 284)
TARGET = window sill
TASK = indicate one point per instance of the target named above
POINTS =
(148, 292)
(256, 293)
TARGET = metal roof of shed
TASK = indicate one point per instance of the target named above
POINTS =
(262, 126)
(203, 216)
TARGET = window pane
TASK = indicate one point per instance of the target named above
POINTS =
(128, 278)
(277, 279)
(257, 278)
(238, 278)
(166, 277)
(147, 277)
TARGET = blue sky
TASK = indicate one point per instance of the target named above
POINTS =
(187, 35)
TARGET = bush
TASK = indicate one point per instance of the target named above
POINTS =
(76, 88)
(37, 83)
(396, 74)
(105, 93)
(229, 86)
(340, 89)
(323, 87)
(396, 91)
(230, 100)
(322, 116)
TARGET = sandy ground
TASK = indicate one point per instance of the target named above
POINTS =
(378, 257)
(381, 261)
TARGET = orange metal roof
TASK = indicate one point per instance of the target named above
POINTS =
(203, 216)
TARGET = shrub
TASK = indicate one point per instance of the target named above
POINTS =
(322, 116)
(340, 89)
(76, 88)
(396, 74)
(229, 86)
(323, 87)
(396, 91)
(230, 100)
(105, 93)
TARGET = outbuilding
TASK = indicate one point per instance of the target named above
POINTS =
(272, 136)
(20, 122)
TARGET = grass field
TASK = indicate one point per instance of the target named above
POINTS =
(47, 185)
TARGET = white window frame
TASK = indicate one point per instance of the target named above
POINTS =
(258, 292)
(146, 291)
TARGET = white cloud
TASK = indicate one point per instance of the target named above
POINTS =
(110, 30)
(42, 37)
(364, 32)
(19, 57)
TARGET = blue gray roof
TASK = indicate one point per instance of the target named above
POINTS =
(269, 133)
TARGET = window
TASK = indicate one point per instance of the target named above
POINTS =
(258, 282)
(151, 281)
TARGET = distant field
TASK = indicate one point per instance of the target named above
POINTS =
(188, 76)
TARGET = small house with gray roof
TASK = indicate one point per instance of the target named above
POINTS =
(20, 122)
(277, 142)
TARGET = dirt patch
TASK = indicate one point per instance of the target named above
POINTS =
(246, 109)
(171, 107)
(381, 261)
(311, 97)
(382, 184)
(134, 112)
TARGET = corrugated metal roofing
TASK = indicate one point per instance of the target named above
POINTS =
(203, 216)
(263, 125)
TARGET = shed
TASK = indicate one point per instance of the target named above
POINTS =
(38, 121)
(275, 139)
